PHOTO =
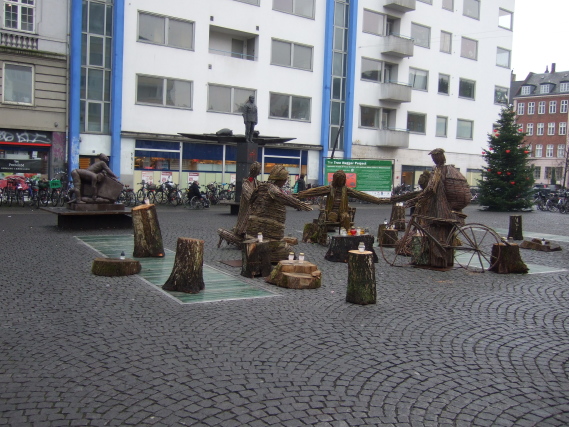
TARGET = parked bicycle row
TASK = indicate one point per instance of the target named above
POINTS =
(552, 202)
(20, 191)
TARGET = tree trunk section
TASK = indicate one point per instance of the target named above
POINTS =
(315, 232)
(398, 217)
(515, 231)
(341, 245)
(295, 275)
(147, 235)
(509, 259)
(387, 236)
(256, 259)
(113, 267)
(361, 278)
(187, 273)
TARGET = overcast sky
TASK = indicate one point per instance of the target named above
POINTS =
(541, 35)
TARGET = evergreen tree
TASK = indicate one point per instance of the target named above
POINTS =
(507, 180)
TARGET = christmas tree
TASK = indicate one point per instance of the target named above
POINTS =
(507, 180)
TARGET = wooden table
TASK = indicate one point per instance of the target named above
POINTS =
(341, 245)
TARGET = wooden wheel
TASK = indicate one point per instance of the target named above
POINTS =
(399, 254)
(472, 244)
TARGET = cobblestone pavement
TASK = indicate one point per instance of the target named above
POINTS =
(438, 348)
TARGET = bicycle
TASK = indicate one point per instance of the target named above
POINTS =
(199, 202)
(127, 196)
(147, 191)
(471, 244)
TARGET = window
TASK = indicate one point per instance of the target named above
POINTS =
(521, 107)
(563, 108)
(442, 124)
(165, 31)
(446, 42)
(416, 122)
(531, 107)
(563, 128)
(564, 87)
(444, 82)
(549, 150)
(466, 88)
(226, 99)
(545, 88)
(469, 48)
(369, 117)
(503, 57)
(291, 55)
(472, 9)
(526, 90)
(421, 35)
(448, 5)
(561, 150)
(18, 84)
(371, 70)
(418, 79)
(164, 92)
(303, 8)
(551, 128)
(537, 172)
(19, 15)
(500, 95)
(541, 107)
(373, 22)
(529, 129)
(538, 150)
(540, 127)
(505, 19)
(464, 129)
(253, 2)
(552, 107)
(289, 107)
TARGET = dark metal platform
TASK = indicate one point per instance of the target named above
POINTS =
(233, 205)
(96, 219)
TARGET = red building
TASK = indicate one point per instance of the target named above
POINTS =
(541, 102)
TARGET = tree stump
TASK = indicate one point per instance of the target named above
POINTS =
(509, 259)
(315, 232)
(295, 275)
(113, 267)
(293, 241)
(147, 235)
(538, 245)
(387, 236)
(398, 217)
(187, 273)
(515, 231)
(341, 245)
(279, 250)
(361, 278)
(256, 258)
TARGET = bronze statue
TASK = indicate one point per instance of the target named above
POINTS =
(337, 209)
(96, 184)
(250, 118)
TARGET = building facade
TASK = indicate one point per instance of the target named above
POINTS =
(389, 79)
(541, 103)
(33, 87)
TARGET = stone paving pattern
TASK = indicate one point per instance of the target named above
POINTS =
(439, 348)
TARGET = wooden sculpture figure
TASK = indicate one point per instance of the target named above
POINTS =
(337, 210)
(250, 184)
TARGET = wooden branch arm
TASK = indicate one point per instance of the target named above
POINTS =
(405, 197)
(323, 190)
(291, 201)
(368, 197)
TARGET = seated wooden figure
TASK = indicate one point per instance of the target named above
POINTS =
(337, 212)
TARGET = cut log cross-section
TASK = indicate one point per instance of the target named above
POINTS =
(515, 230)
(147, 235)
(187, 273)
(256, 258)
(509, 259)
(296, 275)
(113, 267)
(361, 278)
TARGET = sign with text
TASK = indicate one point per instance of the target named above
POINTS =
(148, 177)
(20, 166)
(193, 176)
(373, 177)
(10, 136)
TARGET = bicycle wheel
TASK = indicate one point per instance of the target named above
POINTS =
(43, 196)
(20, 198)
(160, 197)
(140, 196)
(410, 249)
(54, 198)
(472, 244)
(122, 197)
(196, 203)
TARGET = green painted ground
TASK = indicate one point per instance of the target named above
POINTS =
(219, 286)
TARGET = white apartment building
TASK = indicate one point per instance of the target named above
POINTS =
(398, 77)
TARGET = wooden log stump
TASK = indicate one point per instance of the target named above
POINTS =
(113, 267)
(279, 250)
(387, 236)
(293, 241)
(398, 217)
(515, 230)
(295, 275)
(315, 232)
(187, 273)
(341, 245)
(256, 258)
(538, 245)
(147, 235)
(361, 278)
(509, 259)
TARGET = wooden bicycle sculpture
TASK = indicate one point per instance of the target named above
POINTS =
(468, 245)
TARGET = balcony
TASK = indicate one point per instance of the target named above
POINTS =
(395, 92)
(400, 5)
(397, 138)
(18, 40)
(397, 45)
(232, 43)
